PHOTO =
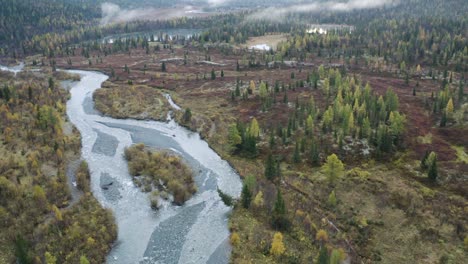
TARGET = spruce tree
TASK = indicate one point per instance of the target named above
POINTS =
(297, 155)
(246, 196)
(280, 220)
(213, 74)
(323, 256)
(270, 168)
(432, 172)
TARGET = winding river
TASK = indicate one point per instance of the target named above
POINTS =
(194, 233)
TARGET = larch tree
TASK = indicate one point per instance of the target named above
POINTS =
(332, 199)
(277, 246)
(254, 129)
(84, 260)
(234, 138)
(449, 108)
(333, 168)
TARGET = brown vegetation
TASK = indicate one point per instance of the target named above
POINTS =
(131, 101)
(161, 171)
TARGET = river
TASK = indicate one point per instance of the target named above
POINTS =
(194, 233)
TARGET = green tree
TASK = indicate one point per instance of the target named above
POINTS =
(335, 257)
(187, 115)
(333, 168)
(163, 67)
(263, 91)
(309, 125)
(234, 137)
(270, 168)
(213, 74)
(296, 155)
(432, 172)
(397, 125)
(280, 220)
(84, 260)
(49, 258)
(461, 92)
(332, 199)
(323, 256)
(246, 196)
(314, 153)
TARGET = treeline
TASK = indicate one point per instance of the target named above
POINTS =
(37, 223)
(22, 20)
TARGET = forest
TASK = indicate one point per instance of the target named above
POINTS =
(351, 144)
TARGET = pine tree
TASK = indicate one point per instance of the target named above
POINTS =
(163, 67)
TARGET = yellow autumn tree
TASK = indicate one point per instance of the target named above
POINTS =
(310, 124)
(449, 108)
(321, 236)
(254, 129)
(58, 214)
(252, 86)
(277, 246)
(235, 239)
(333, 168)
(258, 200)
(49, 258)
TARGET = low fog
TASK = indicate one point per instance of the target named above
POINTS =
(314, 6)
(112, 13)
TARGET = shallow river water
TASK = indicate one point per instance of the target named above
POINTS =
(194, 233)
